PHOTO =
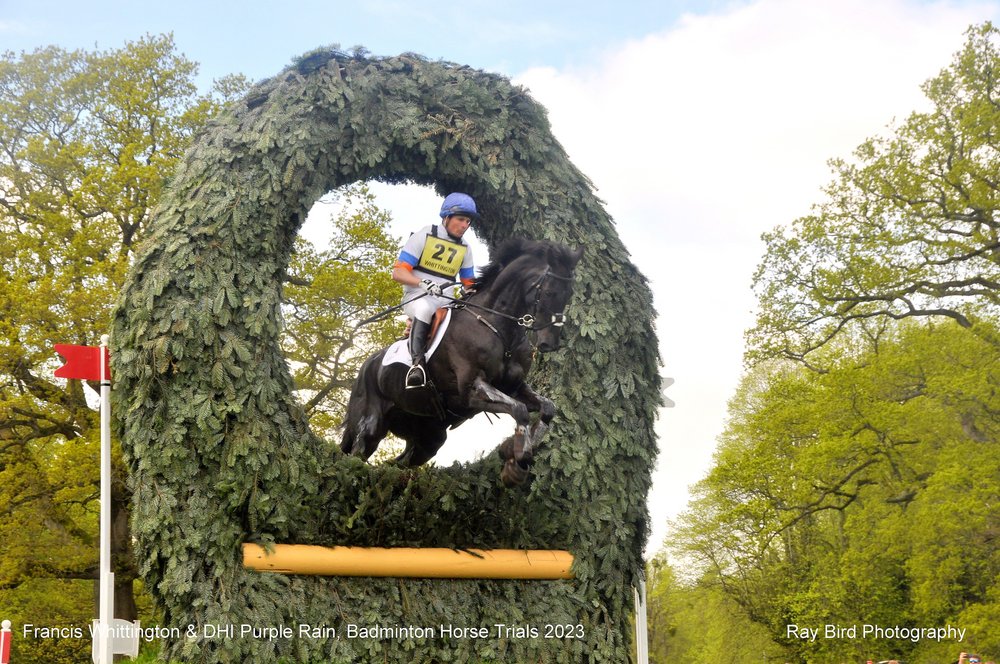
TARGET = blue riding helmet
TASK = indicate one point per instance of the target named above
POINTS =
(458, 203)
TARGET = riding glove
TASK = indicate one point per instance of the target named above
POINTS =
(431, 287)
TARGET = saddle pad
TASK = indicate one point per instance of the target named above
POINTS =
(399, 352)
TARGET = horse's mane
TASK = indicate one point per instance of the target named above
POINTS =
(510, 250)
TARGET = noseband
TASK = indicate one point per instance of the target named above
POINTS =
(527, 321)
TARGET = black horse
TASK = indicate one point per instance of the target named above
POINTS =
(480, 365)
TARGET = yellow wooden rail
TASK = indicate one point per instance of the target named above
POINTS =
(412, 563)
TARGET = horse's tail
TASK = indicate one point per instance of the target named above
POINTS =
(347, 434)
(363, 391)
(355, 406)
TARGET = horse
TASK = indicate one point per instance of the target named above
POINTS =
(480, 365)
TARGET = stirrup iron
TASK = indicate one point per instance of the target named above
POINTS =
(411, 377)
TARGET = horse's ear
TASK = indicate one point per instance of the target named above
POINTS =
(576, 255)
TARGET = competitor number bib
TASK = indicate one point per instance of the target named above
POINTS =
(441, 257)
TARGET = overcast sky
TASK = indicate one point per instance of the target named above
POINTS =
(702, 124)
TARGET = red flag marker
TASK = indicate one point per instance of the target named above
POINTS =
(82, 362)
(93, 363)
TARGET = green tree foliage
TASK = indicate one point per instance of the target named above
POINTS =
(856, 480)
(85, 142)
(220, 451)
(909, 227)
(88, 140)
(695, 621)
(327, 293)
(866, 494)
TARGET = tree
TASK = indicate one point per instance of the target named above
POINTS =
(864, 494)
(909, 227)
(327, 294)
(855, 481)
(693, 620)
(86, 143)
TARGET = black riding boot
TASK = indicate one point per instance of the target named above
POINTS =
(416, 376)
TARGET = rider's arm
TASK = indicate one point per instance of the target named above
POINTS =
(467, 274)
(402, 273)
(402, 270)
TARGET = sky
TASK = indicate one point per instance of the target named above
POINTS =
(702, 124)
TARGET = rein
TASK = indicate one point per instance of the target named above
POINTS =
(383, 314)
(527, 321)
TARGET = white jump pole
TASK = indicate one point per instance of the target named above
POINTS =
(105, 654)
(641, 634)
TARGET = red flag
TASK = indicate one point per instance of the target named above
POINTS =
(82, 362)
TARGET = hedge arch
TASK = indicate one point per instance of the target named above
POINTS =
(220, 452)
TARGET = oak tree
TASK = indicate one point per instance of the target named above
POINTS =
(909, 226)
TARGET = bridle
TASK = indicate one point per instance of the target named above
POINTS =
(527, 321)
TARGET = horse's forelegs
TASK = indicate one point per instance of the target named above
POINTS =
(531, 440)
(546, 410)
(536, 403)
(485, 397)
(517, 449)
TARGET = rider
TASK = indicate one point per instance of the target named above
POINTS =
(429, 263)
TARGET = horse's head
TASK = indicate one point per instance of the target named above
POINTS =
(547, 294)
(535, 281)
(545, 281)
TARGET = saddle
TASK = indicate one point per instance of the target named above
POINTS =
(425, 400)
(398, 353)
(439, 317)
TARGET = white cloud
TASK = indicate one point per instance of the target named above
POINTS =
(734, 115)
(703, 136)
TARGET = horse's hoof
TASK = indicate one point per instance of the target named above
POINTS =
(506, 449)
(511, 447)
(513, 474)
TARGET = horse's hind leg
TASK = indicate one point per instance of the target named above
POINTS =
(365, 423)
(421, 445)
(371, 431)
(364, 429)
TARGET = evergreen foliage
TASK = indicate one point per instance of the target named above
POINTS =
(220, 451)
